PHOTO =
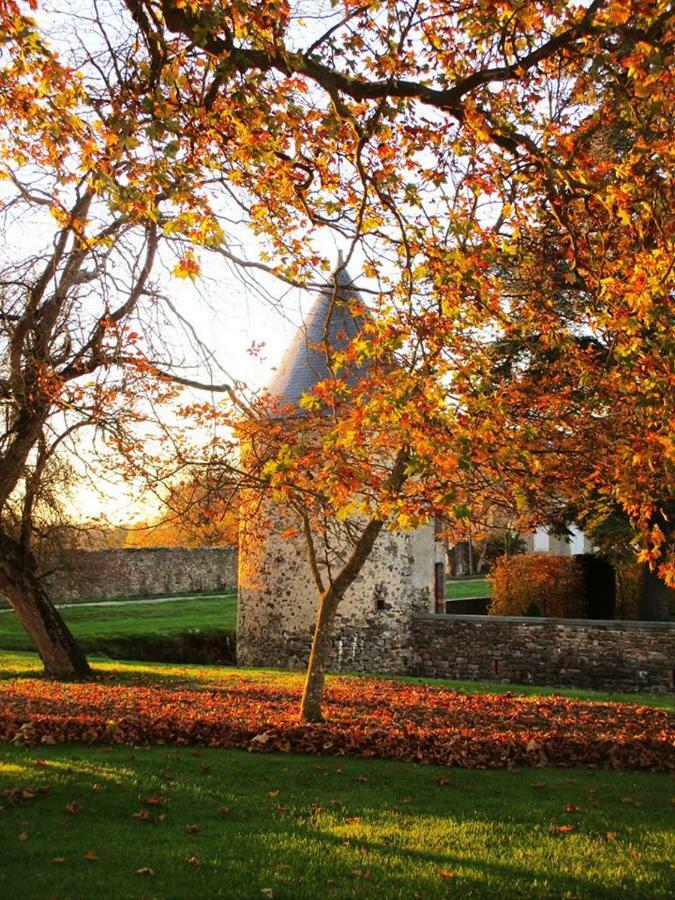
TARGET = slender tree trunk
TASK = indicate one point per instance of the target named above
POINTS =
(60, 653)
(330, 597)
(312, 695)
(654, 596)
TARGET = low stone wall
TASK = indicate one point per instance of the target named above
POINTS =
(603, 655)
(138, 572)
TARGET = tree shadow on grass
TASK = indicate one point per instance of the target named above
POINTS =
(303, 827)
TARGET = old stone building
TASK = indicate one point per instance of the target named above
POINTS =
(277, 595)
(387, 621)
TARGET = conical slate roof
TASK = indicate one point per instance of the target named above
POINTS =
(330, 321)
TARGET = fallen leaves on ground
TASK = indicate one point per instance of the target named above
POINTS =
(366, 718)
(15, 795)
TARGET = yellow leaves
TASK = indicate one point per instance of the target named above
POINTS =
(371, 222)
(667, 572)
(310, 402)
(617, 13)
(200, 227)
(645, 88)
(187, 267)
(476, 122)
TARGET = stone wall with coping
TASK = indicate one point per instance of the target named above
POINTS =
(144, 571)
(602, 655)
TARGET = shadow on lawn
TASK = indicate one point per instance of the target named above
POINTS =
(342, 828)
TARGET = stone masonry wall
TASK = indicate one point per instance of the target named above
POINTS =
(604, 655)
(135, 572)
(278, 600)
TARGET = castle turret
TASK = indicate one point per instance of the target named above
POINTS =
(277, 594)
(330, 325)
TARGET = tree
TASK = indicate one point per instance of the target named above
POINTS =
(518, 105)
(342, 466)
(199, 510)
(367, 128)
(85, 205)
(447, 144)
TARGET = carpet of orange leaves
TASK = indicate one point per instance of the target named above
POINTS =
(367, 718)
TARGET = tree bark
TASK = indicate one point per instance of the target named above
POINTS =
(654, 596)
(329, 598)
(312, 695)
(58, 649)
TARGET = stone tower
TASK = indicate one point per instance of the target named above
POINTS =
(277, 596)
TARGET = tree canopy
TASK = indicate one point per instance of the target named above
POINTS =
(500, 171)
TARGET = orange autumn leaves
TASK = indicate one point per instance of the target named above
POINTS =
(365, 718)
(545, 156)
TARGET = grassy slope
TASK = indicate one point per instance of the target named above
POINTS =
(306, 827)
(458, 589)
(178, 617)
(20, 664)
(137, 619)
(127, 598)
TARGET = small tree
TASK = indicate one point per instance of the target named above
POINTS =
(356, 457)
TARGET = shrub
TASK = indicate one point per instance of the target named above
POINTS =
(550, 585)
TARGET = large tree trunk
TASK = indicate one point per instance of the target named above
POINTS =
(654, 596)
(60, 653)
(312, 695)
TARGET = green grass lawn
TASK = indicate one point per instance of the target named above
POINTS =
(217, 823)
(460, 588)
(128, 598)
(92, 624)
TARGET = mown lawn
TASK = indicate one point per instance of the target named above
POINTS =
(180, 823)
(461, 588)
(132, 598)
(93, 624)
